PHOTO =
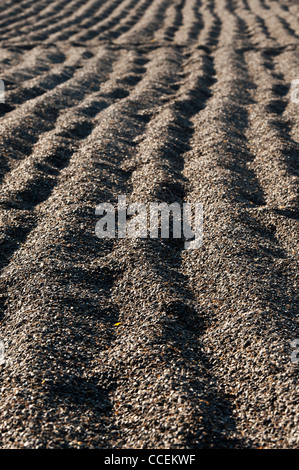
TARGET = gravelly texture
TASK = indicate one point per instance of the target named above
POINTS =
(139, 343)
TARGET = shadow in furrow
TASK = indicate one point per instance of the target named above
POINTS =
(215, 29)
(198, 24)
(276, 108)
(177, 21)
(263, 5)
(117, 25)
(44, 31)
(185, 321)
(287, 27)
(182, 328)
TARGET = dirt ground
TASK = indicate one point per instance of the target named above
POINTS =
(140, 343)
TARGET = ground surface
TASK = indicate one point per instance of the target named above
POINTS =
(160, 100)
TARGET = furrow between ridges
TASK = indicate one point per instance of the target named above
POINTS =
(54, 10)
(90, 26)
(119, 24)
(242, 277)
(22, 127)
(64, 297)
